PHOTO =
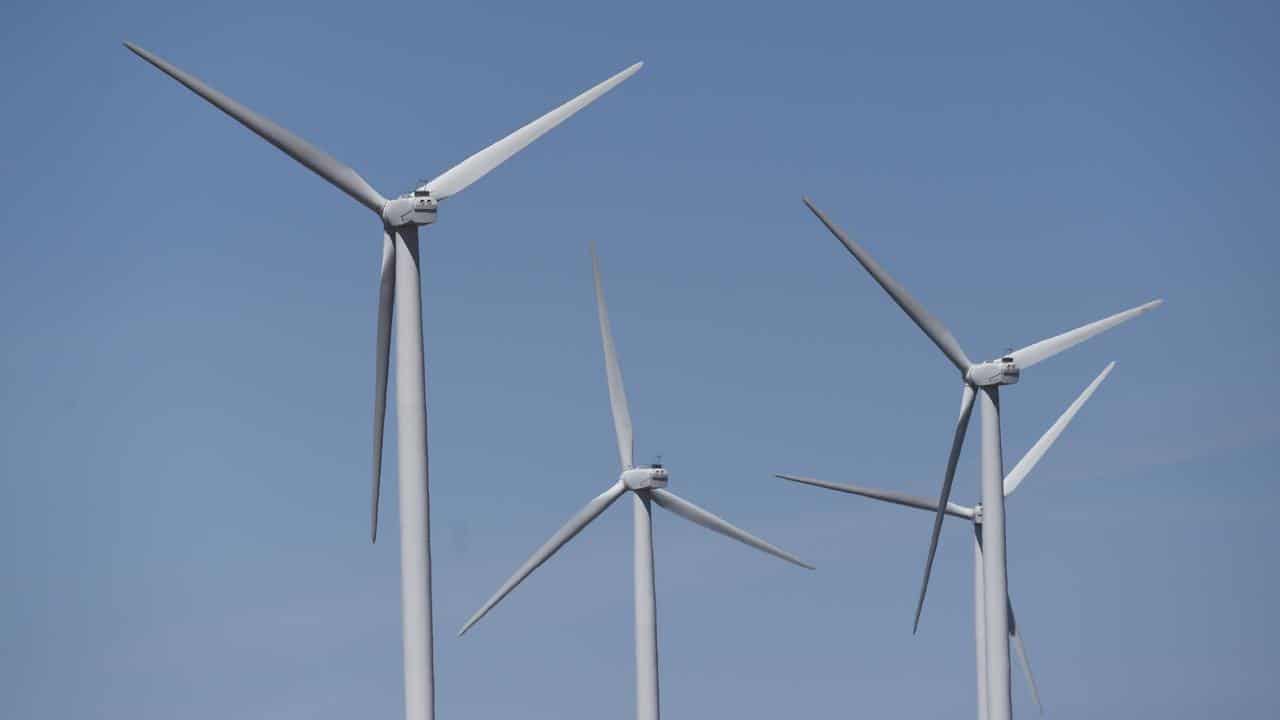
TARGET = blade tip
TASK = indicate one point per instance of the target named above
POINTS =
(795, 560)
(797, 479)
(631, 69)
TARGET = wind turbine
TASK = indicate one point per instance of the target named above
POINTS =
(982, 380)
(647, 485)
(974, 515)
(399, 287)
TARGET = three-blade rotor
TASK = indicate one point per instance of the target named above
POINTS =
(1011, 482)
(950, 347)
(662, 497)
(342, 176)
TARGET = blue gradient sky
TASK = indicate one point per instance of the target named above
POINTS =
(189, 334)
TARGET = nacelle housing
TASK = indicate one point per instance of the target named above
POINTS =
(996, 372)
(415, 209)
(640, 478)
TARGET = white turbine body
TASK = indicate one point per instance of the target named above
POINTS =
(982, 382)
(648, 486)
(974, 515)
(400, 290)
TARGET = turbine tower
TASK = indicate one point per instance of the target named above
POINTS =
(647, 486)
(981, 380)
(974, 515)
(399, 288)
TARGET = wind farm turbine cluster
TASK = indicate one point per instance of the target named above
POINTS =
(399, 302)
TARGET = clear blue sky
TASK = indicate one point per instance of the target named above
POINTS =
(188, 343)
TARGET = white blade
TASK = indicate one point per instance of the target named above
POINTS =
(687, 510)
(1045, 349)
(460, 176)
(320, 162)
(1037, 451)
(892, 496)
(931, 326)
(386, 302)
(562, 536)
(617, 394)
(957, 442)
(1016, 634)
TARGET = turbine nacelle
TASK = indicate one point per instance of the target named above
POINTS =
(417, 208)
(996, 372)
(643, 478)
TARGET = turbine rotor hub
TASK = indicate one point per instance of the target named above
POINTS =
(995, 372)
(417, 208)
(641, 478)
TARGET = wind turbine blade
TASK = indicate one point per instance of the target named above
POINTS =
(460, 176)
(962, 425)
(1016, 634)
(1045, 349)
(386, 301)
(562, 536)
(1037, 451)
(892, 496)
(931, 326)
(695, 514)
(320, 162)
(617, 394)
